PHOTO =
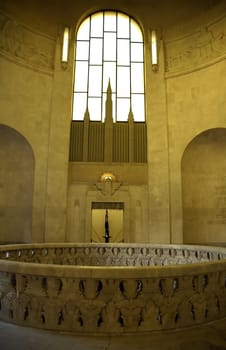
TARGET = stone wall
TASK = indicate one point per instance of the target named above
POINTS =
(86, 186)
(16, 186)
(26, 66)
(185, 97)
(203, 187)
(195, 104)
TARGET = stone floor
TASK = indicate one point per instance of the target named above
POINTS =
(208, 337)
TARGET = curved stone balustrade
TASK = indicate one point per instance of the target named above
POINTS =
(111, 254)
(112, 288)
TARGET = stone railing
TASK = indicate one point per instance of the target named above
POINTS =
(111, 254)
(106, 288)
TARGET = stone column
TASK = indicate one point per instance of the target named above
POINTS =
(158, 160)
(86, 135)
(131, 136)
(58, 151)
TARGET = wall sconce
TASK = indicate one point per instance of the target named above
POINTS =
(107, 177)
(154, 53)
(65, 47)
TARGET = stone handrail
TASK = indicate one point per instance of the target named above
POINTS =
(111, 254)
(47, 286)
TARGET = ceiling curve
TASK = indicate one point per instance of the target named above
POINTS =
(47, 15)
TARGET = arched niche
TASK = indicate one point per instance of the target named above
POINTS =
(204, 188)
(16, 186)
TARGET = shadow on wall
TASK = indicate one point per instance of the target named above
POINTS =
(204, 188)
(16, 186)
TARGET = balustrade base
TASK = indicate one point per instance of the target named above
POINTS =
(112, 289)
(210, 336)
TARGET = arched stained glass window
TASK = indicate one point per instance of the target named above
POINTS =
(109, 46)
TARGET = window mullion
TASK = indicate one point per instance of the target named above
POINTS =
(130, 64)
(116, 71)
(102, 94)
(87, 94)
(125, 95)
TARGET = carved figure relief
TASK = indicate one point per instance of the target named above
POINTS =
(200, 47)
(114, 304)
(25, 46)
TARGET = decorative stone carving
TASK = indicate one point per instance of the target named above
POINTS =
(116, 255)
(108, 186)
(24, 46)
(111, 317)
(96, 299)
(198, 48)
(150, 316)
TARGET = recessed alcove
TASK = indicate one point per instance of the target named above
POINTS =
(110, 214)
(16, 186)
(204, 188)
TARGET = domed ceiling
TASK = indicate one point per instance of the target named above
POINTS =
(47, 15)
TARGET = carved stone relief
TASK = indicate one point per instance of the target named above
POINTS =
(108, 186)
(114, 304)
(25, 46)
(198, 48)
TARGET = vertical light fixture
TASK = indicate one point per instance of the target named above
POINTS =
(154, 53)
(65, 46)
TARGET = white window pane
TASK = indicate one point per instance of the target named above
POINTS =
(113, 98)
(79, 106)
(138, 107)
(109, 73)
(97, 25)
(123, 26)
(123, 52)
(83, 31)
(137, 52)
(82, 50)
(109, 47)
(95, 80)
(123, 107)
(81, 76)
(137, 77)
(123, 82)
(103, 106)
(94, 106)
(136, 34)
(96, 51)
(110, 21)
(107, 43)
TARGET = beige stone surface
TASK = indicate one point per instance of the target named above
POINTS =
(112, 289)
(25, 103)
(208, 337)
(184, 98)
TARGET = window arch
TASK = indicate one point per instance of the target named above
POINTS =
(109, 47)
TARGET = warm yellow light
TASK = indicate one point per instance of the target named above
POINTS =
(154, 55)
(65, 45)
(107, 177)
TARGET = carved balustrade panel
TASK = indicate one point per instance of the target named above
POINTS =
(138, 296)
(113, 255)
